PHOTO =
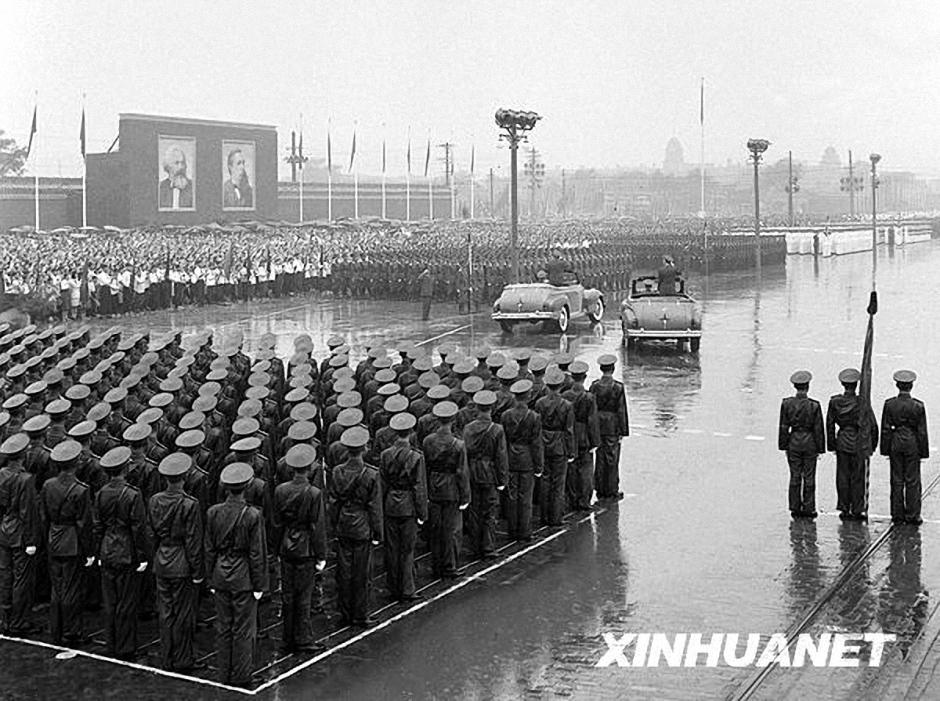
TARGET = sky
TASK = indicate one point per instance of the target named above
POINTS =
(612, 79)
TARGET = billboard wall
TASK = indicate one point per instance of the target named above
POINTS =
(185, 171)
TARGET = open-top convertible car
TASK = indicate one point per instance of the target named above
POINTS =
(555, 305)
(647, 314)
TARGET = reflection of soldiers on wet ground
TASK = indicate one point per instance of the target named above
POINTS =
(902, 600)
(804, 580)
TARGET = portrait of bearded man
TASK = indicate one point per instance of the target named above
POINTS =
(237, 191)
(176, 189)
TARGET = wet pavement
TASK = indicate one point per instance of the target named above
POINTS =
(702, 543)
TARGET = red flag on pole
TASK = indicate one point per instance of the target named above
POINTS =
(427, 158)
(352, 153)
(32, 132)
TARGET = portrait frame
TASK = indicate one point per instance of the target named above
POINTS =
(187, 198)
(231, 192)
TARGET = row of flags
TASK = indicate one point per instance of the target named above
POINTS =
(352, 154)
(32, 133)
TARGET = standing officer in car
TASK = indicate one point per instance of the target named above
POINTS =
(802, 435)
(904, 441)
(851, 464)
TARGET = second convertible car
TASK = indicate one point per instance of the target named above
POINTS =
(555, 305)
(647, 314)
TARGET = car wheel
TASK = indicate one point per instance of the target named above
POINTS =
(506, 326)
(563, 319)
(694, 343)
(597, 313)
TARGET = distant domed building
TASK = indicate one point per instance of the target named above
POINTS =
(674, 162)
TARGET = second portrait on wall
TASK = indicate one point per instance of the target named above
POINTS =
(238, 175)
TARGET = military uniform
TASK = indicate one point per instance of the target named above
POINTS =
(802, 435)
(20, 536)
(123, 548)
(580, 478)
(904, 440)
(843, 426)
(236, 560)
(300, 523)
(558, 443)
(405, 505)
(523, 429)
(357, 524)
(65, 505)
(448, 492)
(487, 462)
(175, 520)
(613, 425)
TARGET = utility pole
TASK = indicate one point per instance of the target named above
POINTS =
(564, 195)
(852, 184)
(535, 171)
(293, 153)
(448, 161)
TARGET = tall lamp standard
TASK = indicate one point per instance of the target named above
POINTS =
(874, 158)
(516, 124)
(757, 148)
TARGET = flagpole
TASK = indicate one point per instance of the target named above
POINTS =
(301, 170)
(471, 196)
(356, 191)
(408, 181)
(701, 162)
(36, 171)
(383, 171)
(329, 172)
(84, 170)
(430, 198)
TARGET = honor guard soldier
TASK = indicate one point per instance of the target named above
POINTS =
(613, 425)
(843, 437)
(802, 435)
(523, 429)
(580, 478)
(175, 521)
(904, 441)
(485, 444)
(65, 505)
(20, 536)
(236, 560)
(123, 550)
(357, 525)
(448, 491)
(558, 443)
(405, 505)
(300, 524)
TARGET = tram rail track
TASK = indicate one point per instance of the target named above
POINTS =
(755, 682)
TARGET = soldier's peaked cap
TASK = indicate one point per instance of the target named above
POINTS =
(37, 424)
(236, 474)
(402, 421)
(607, 360)
(521, 387)
(444, 409)
(472, 384)
(439, 392)
(137, 433)
(15, 444)
(115, 459)
(300, 457)
(303, 412)
(302, 431)
(849, 376)
(578, 368)
(247, 444)
(801, 377)
(484, 398)
(66, 451)
(349, 417)
(354, 437)
(395, 403)
(905, 376)
(190, 439)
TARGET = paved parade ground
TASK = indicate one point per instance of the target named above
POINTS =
(702, 542)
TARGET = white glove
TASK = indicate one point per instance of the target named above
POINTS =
(89, 561)
(257, 595)
(538, 474)
(463, 506)
(142, 566)
(501, 488)
(197, 581)
(30, 550)
(321, 565)
(375, 542)
(420, 522)
(212, 591)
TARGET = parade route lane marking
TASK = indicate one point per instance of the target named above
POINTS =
(414, 609)
(441, 335)
(129, 665)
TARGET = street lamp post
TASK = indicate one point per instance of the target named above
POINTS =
(515, 125)
(874, 158)
(757, 148)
